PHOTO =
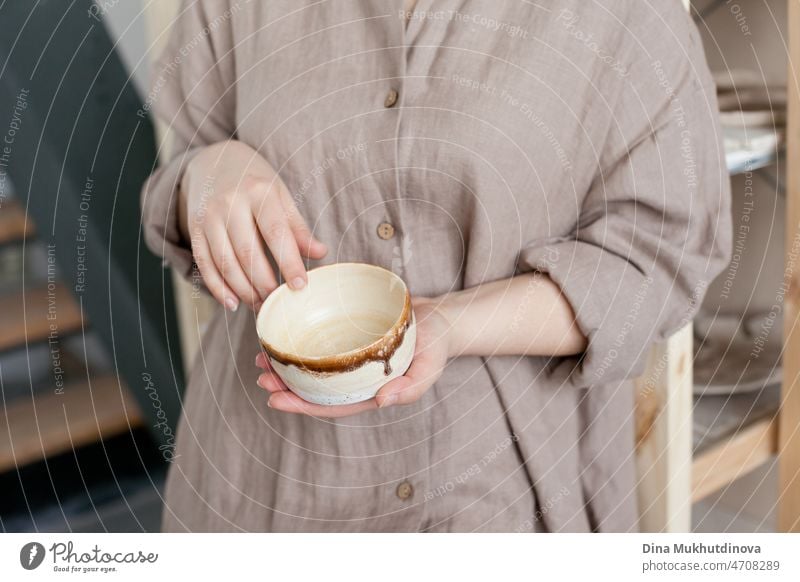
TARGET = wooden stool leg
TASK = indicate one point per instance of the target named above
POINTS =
(789, 437)
(664, 436)
(789, 414)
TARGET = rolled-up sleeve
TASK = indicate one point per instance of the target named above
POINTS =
(653, 229)
(193, 93)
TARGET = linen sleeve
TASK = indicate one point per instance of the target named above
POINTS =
(193, 94)
(654, 227)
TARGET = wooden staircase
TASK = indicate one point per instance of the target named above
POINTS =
(48, 422)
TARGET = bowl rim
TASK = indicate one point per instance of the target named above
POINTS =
(381, 349)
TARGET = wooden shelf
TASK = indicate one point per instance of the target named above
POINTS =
(14, 226)
(28, 316)
(726, 461)
(32, 428)
(732, 436)
(717, 418)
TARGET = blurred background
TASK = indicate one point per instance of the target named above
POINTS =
(96, 335)
(90, 367)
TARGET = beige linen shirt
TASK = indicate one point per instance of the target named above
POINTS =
(468, 143)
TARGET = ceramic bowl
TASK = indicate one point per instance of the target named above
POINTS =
(343, 336)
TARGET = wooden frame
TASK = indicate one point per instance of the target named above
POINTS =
(733, 458)
(664, 436)
(789, 415)
(663, 421)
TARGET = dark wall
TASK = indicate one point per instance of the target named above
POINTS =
(78, 156)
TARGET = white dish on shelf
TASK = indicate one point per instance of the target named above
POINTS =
(750, 149)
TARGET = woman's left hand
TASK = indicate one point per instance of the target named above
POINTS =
(430, 357)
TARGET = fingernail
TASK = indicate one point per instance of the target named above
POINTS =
(298, 283)
(269, 401)
(388, 401)
(231, 303)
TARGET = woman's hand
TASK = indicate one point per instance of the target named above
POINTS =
(430, 356)
(231, 203)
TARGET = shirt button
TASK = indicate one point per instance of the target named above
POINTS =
(405, 490)
(391, 98)
(385, 230)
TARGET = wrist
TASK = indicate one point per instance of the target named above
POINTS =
(439, 311)
(184, 194)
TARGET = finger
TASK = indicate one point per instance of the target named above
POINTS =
(289, 402)
(211, 276)
(249, 248)
(402, 390)
(410, 387)
(262, 361)
(228, 265)
(281, 243)
(271, 382)
(306, 243)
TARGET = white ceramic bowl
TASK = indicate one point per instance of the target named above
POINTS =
(343, 336)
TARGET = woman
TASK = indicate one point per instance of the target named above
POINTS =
(546, 177)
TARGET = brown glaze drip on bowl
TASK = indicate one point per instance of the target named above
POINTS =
(379, 351)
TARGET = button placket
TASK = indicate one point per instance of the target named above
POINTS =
(389, 228)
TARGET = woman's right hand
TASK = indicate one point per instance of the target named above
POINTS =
(231, 203)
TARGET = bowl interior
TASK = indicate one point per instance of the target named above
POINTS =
(344, 307)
